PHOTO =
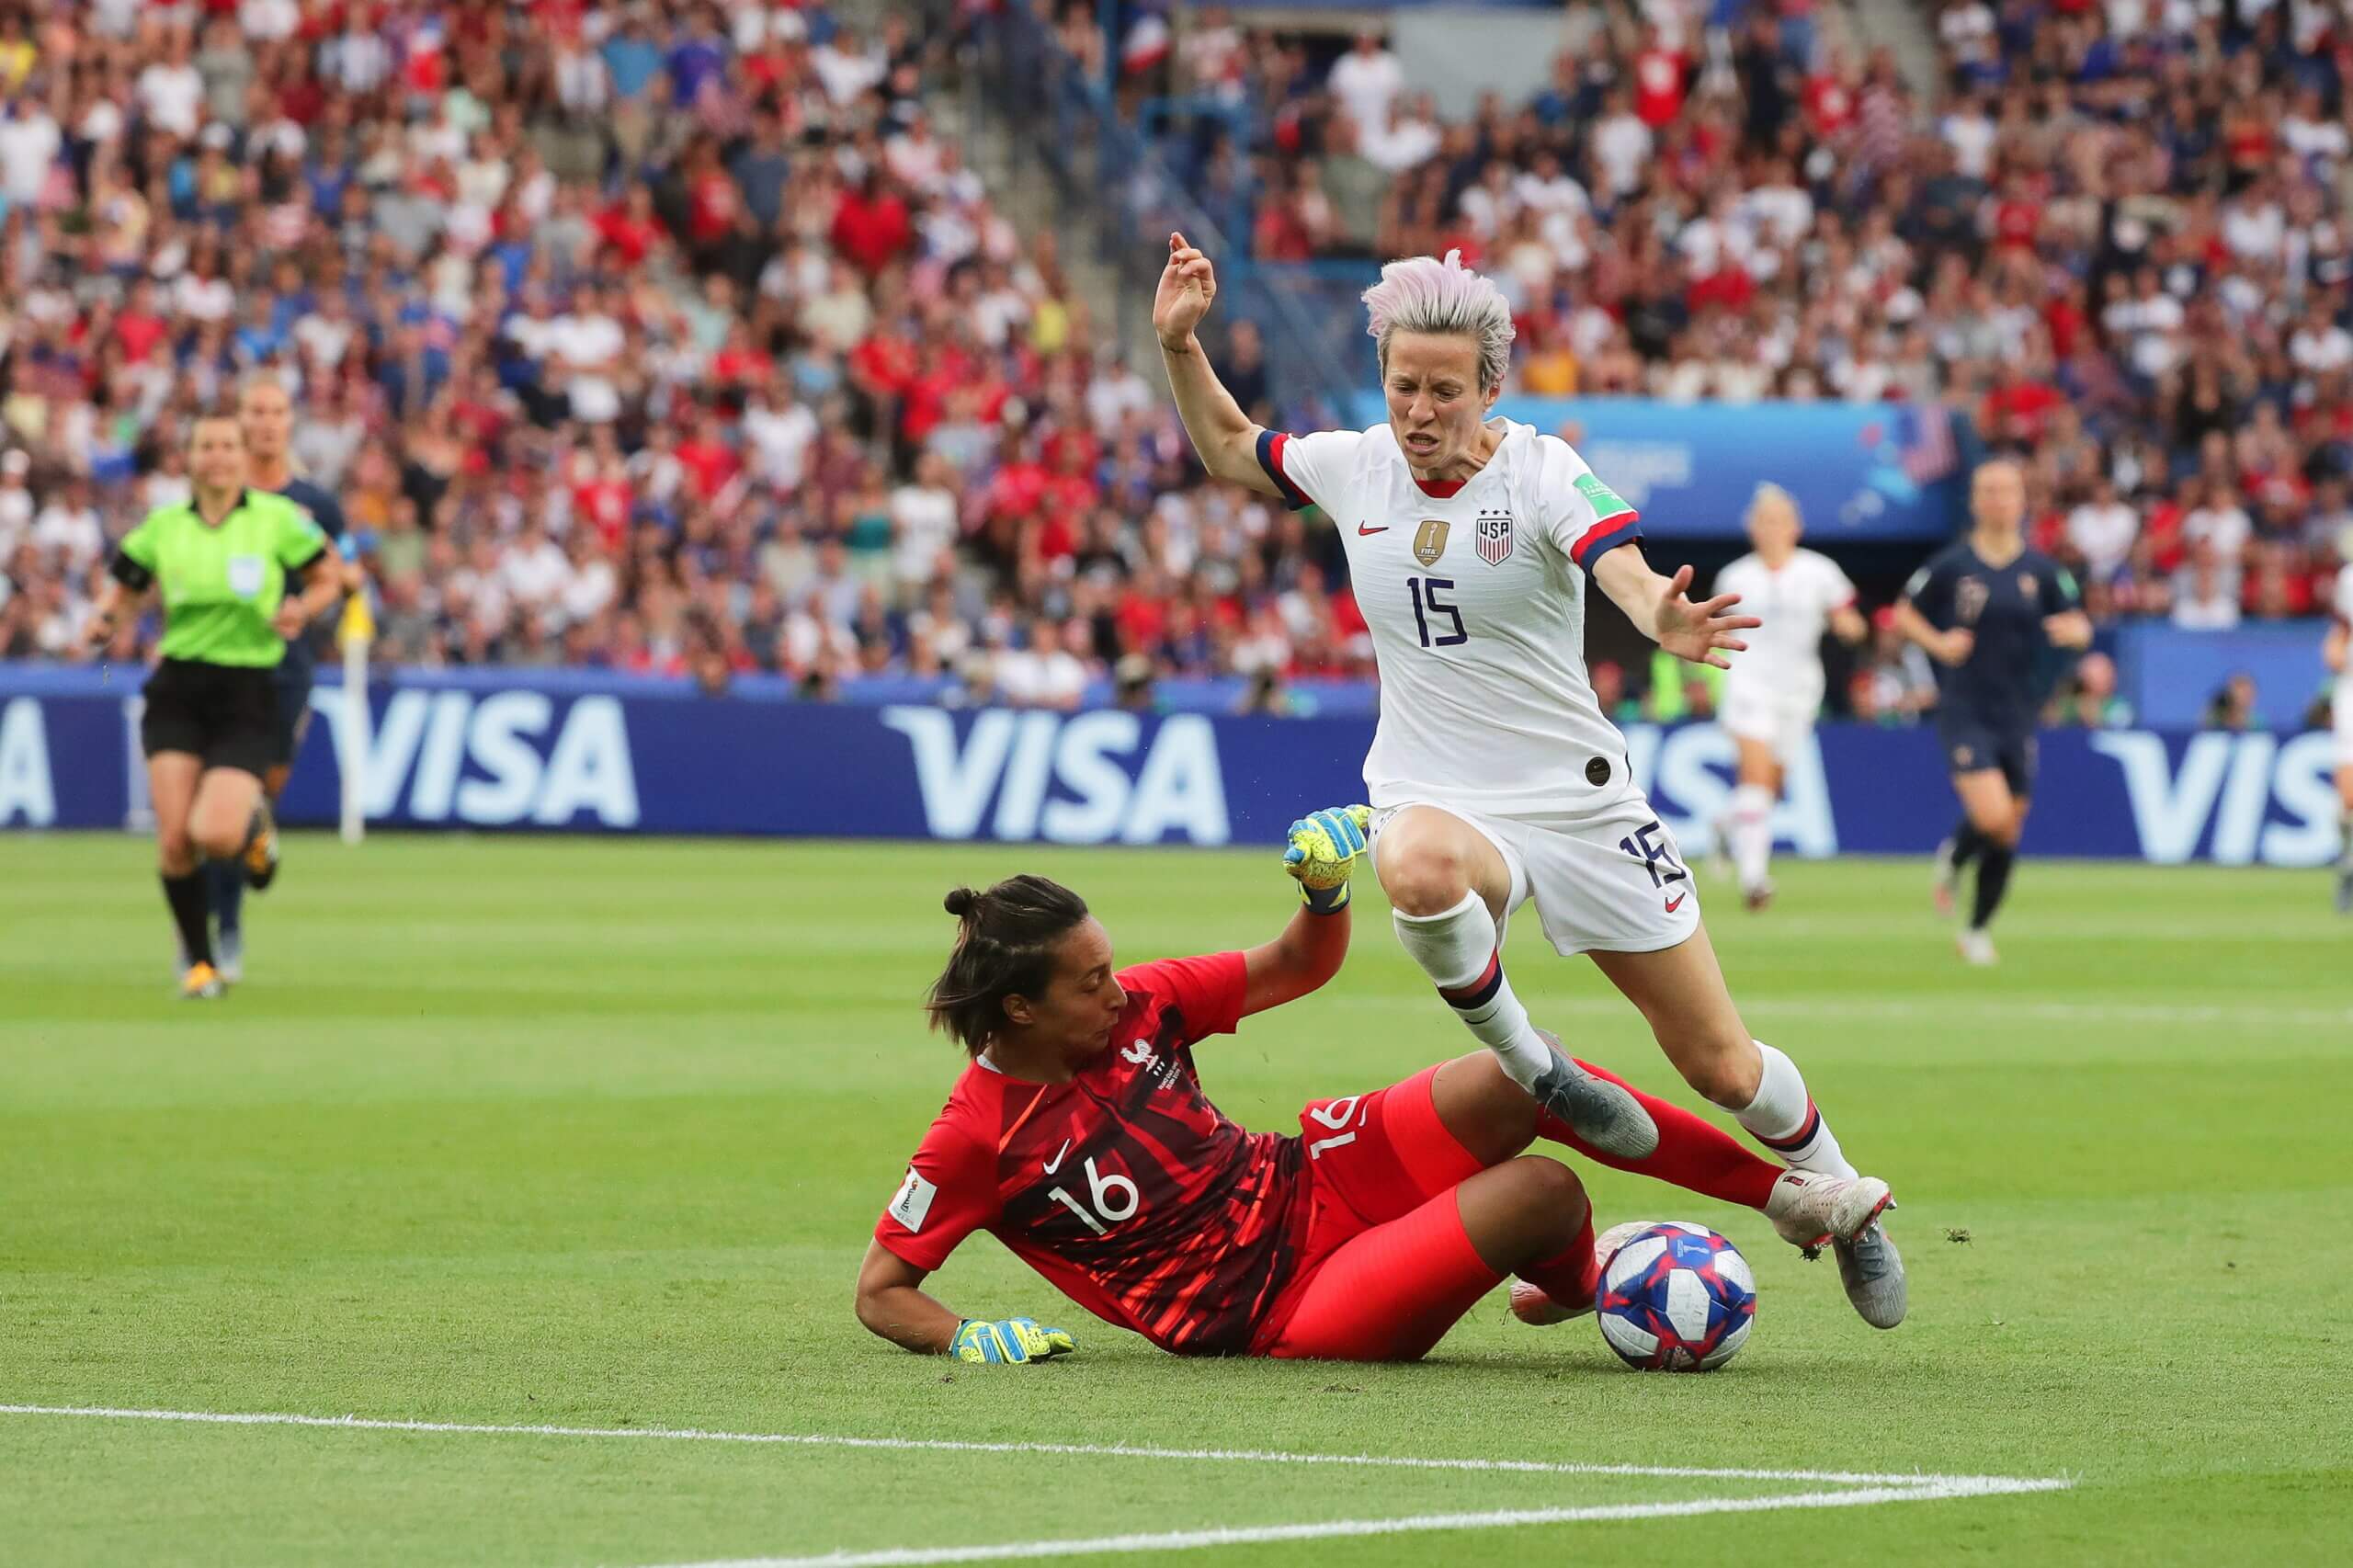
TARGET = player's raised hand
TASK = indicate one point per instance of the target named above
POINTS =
(1187, 284)
(1323, 851)
(1009, 1340)
(1696, 631)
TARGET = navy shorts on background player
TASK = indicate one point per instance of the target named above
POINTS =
(1970, 746)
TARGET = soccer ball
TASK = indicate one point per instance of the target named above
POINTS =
(1676, 1298)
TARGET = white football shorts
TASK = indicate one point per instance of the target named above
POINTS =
(1783, 721)
(2344, 704)
(1611, 882)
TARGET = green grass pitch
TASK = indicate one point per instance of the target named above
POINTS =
(529, 1133)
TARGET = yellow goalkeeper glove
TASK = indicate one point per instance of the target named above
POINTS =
(1008, 1340)
(1323, 850)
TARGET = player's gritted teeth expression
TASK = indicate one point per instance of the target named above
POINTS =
(1436, 405)
(1073, 1017)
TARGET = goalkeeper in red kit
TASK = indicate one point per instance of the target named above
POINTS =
(1080, 1136)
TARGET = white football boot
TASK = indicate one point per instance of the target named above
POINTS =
(1810, 1209)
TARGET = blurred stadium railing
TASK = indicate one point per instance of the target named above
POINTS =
(1117, 191)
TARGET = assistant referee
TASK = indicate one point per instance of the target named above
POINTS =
(222, 563)
(265, 414)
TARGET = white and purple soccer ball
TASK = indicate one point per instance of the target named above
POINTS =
(1676, 1298)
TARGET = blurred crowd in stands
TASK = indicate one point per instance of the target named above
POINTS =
(2117, 240)
(677, 337)
(666, 337)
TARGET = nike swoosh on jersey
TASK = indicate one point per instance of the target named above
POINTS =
(1364, 528)
(1056, 1163)
(1673, 904)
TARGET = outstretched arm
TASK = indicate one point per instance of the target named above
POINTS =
(1662, 610)
(1308, 953)
(1321, 853)
(890, 1304)
(1219, 431)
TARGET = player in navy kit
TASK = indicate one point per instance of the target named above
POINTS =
(266, 416)
(1081, 1137)
(1985, 608)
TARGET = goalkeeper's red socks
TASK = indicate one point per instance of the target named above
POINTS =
(1571, 1278)
(1693, 1152)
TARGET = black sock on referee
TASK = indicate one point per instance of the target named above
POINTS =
(1967, 842)
(1992, 882)
(186, 895)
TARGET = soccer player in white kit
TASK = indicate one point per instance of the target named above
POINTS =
(1774, 691)
(1494, 777)
(2338, 652)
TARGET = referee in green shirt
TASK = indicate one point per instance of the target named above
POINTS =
(223, 564)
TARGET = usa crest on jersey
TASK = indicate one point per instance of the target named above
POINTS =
(1494, 538)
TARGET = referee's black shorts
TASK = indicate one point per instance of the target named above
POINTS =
(1970, 745)
(227, 714)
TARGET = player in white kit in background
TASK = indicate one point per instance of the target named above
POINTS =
(1494, 777)
(2338, 653)
(1773, 693)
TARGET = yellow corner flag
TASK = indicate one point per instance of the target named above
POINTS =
(359, 624)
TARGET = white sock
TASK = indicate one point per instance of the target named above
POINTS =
(1752, 833)
(1458, 950)
(1782, 1117)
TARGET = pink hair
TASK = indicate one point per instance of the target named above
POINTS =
(1425, 294)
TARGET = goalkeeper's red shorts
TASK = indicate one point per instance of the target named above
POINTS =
(1387, 1267)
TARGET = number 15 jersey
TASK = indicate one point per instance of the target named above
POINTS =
(1474, 592)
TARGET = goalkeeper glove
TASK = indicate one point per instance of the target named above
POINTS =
(1011, 1339)
(1324, 852)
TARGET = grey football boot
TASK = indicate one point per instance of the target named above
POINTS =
(1602, 1113)
(1872, 1272)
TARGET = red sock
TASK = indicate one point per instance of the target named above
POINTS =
(1572, 1277)
(1692, 1153)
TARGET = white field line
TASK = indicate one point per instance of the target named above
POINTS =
(1188, 1541)
(1950, 1009)
(1091, 1450)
